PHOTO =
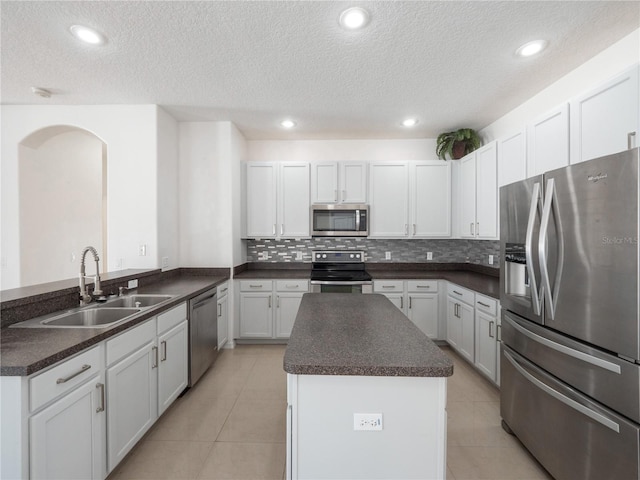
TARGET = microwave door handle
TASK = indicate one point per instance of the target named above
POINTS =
(536, 299)
(357, 220)
(550, 203)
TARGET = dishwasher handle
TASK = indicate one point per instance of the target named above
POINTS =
(201, 301)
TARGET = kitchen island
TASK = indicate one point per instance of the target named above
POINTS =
(358, 354)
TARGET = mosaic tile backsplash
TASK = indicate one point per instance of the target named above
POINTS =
(402, 251)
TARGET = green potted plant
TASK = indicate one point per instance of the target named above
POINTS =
(457, 144)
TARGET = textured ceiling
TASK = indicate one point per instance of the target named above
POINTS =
(451, 64)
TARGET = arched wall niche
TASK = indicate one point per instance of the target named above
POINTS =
(62, 175)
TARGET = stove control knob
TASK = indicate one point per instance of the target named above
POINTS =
(357, 255)
(351, 256)
(324, 255)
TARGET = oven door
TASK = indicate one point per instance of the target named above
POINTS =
(341, 287)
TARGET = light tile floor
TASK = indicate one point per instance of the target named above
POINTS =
(231, 425)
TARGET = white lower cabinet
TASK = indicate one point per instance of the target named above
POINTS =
(132, 386)
(486, 360)
(460, 321)
(268, 308)
(173, 373)
(223, 315)
(67, 438)
(417, 299)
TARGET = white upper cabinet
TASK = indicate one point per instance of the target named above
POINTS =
(389, 194)
(548, 141)
(430, 194)
(277, 199)
(606, 119)
(512, 158)
(344, 182)
(478, 194)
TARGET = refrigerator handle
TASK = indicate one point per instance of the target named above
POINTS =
(536, 297)
(551, 296)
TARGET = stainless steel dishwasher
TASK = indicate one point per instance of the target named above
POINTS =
(203, 334)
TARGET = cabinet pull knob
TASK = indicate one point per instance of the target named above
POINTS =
(102, 400)
(84, 368)
(483, 304)
(631, 140)
(154, 349)
(164, 350)
(491, 329)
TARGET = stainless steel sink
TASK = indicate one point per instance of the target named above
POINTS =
(135, 301)
(91, 317)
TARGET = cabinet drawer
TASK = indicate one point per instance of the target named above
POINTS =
(292, 285)
(64, 377)
(130, 340)
(171, 318)
(422, 286)
(223, 290)
(386, 286)
(487, 304)
(460, 293)
(256, 285)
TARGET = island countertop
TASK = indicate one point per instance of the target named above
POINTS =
(365, 335)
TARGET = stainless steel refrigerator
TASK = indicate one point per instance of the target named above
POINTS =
(570, 357)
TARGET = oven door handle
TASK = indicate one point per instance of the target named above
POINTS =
(333, 282)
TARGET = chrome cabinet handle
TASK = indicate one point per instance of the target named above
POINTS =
(491, 329)
(335, 196)
(255, 286)
(409, 303)
(478, 228)
(401, 303)
(277, 301)
(219, 309)
(292, 286)
(456, 292)
(164, 350)
(224, 290)
(483, 304)
(344, 195)
(601, 419)
(154, 349)
(274, 229)
(499, 333)
(471, 231)
(631, 136)
(282, 229)
(414, 228)
(84, 368)
(536, 199)
(102, 400)
(269, 301)
(423, 286)
(388, 286)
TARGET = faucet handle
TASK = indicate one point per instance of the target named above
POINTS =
(121, 291)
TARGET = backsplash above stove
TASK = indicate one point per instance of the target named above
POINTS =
(402, 251)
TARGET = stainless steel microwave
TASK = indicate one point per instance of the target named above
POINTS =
(329, 220)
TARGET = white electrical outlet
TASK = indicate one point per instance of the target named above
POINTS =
(142, 250)
(298, 255)
(429, 255)
(387, 255)
(165, 262)
(490, 259)
(120, 263)
(367, 421)
(132, 284)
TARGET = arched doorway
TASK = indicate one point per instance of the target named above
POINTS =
(62, 195)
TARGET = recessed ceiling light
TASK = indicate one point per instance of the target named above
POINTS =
(87, 35)
(410, 122)
(531, 48)
(354, 18)
(288, 123)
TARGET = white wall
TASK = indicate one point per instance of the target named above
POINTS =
(619, 56)
(60, 205)
(167, 192)
(341, 150)
(129, 133)
(210, 156)
(237, 155)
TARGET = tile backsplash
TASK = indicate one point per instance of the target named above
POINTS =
(401, 251)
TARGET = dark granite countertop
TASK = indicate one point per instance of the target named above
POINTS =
(364, 335)
(25, 351)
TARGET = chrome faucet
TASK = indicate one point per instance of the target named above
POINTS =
(85, 297)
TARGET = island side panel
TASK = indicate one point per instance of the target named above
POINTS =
(324, 444)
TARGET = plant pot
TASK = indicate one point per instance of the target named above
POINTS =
(458, 149)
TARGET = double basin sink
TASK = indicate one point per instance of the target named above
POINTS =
(98, 315)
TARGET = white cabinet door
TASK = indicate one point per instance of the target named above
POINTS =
(293, 203)
(397, 299)
(223, 321)
(467, 340)
(485, 358)
(487, 192)
(324, 182)
(548, 141)
(287, 305)
(261, 197)
(454, 324)
(467, 192)
(132, 399)
(430, 192)
(512, 158)
(67, 439)
(173, 374)
(353, 182)
(423, 311)
(256, 315)
(605, 120)
(388, 215)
